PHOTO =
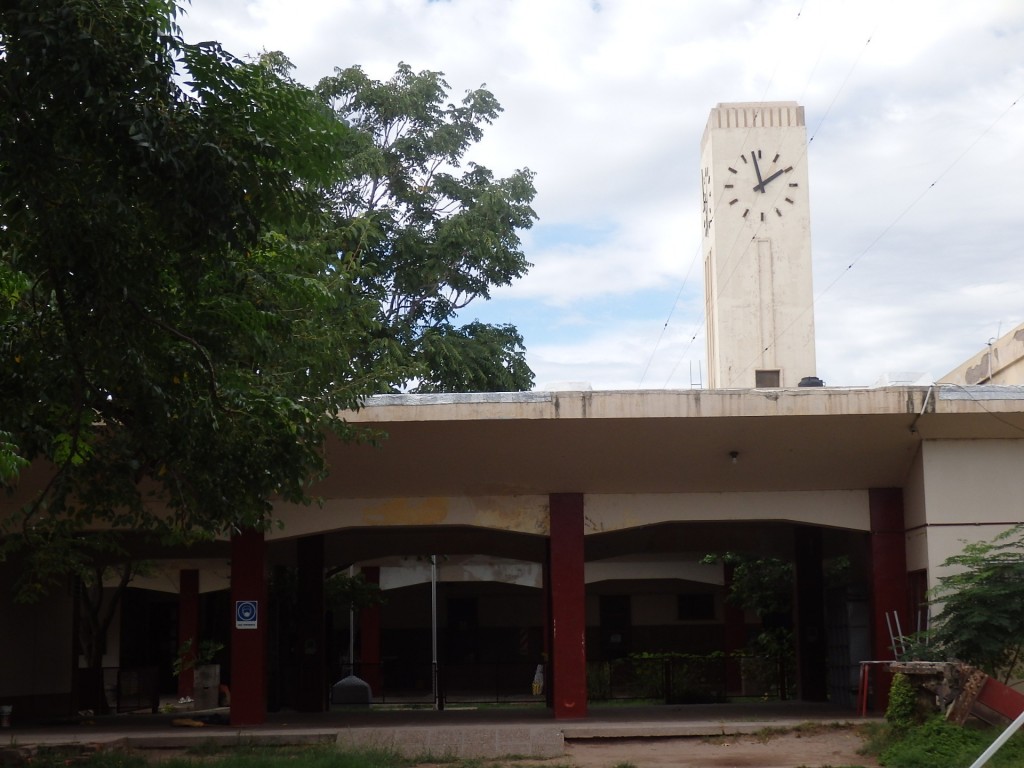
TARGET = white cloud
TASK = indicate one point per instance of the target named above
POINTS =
(608, 107)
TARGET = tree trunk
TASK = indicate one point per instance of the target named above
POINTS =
(96, 618)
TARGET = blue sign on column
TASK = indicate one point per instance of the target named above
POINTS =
(246, 614)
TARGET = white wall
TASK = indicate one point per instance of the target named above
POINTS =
(974, 490)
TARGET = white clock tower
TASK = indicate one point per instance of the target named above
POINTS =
(757, 246)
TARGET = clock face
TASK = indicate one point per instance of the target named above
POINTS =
(758, 187)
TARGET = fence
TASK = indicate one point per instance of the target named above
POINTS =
(118, 689)
(669, 678)
(480, 683)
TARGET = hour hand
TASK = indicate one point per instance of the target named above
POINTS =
(762, 183)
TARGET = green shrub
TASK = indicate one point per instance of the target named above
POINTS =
(940, 744)
(599, 681)
(902, 709)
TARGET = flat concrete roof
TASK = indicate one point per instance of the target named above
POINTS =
(658, 441)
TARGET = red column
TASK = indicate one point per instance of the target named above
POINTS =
(311, 695)
(248, 630)
(735, 637)
(568, 606)
(188, 627)
(369, 638)
(888, 578)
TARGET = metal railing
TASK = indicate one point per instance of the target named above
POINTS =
(478, 683)
(668, 678)
(687, 679)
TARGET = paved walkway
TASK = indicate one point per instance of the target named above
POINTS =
(490, 732)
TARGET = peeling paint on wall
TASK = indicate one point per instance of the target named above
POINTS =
(431, 511)
(976, 373)
(520, 514)
(512, 514)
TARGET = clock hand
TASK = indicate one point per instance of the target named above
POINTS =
(757, 170)
(763, 182)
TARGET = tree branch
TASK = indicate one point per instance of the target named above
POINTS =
(204, 355)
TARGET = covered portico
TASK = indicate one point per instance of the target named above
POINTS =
(616, 486)
(592, 480)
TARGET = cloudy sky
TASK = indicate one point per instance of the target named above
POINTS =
(914, 108)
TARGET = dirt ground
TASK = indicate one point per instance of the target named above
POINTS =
(833, 748)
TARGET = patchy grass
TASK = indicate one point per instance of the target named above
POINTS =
(766, 734)
(314, 756)
(940, 744)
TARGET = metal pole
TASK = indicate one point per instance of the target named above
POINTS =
(900, 635)
(351, 629)
(1003, 738)
(433, 627)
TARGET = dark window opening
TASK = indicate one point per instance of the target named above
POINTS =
(697, 606)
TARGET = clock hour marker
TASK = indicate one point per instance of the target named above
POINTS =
(778, 212)
(762, 215)
(729, 186)
(787, 170)
(734, 201)
(794, 184)
(775, 159)
(759, 154)
(788, 200)
(745, 212)
(743, 158)
(732, 170)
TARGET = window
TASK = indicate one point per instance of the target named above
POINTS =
(697, 606)
(767, 379)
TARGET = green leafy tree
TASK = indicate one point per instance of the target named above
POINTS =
(476, 357)
(440, 232)
(184, 305)
(981, 606)
(343, 592)
(764, 586)
(187, 298)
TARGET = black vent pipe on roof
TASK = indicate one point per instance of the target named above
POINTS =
(811, 381)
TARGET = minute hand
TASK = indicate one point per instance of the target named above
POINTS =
(757, 169)
(760, 186)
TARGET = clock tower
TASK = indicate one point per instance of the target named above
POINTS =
(757, 246)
